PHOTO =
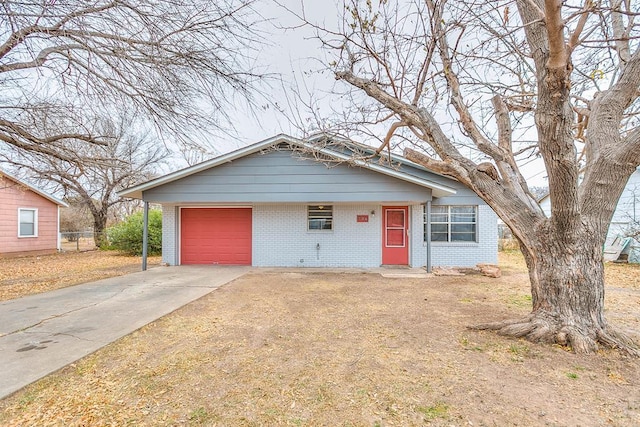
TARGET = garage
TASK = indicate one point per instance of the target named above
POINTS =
(215, 236)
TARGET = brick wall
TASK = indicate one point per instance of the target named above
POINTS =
(281, 238)
(169, 235)
(469, 254)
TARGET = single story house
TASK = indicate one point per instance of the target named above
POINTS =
(29, 218)
(286, 202)
(625, 217)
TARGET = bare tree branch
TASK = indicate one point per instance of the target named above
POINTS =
(558, 83)
(177, 63)
(92, 174)
(574, 38)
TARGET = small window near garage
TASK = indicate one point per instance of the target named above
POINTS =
(453, 223)
(320, 217)
(27, 222)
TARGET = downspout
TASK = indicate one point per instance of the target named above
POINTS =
(145, 234)
(427, 220)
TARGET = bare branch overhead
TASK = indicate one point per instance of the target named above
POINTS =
(180, 64)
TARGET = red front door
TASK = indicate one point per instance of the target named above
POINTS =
(395, 235)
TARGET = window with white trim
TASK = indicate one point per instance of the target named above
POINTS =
(453, 223)
(27, 222)
(320, 218)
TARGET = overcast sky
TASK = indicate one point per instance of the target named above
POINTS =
(293, 52)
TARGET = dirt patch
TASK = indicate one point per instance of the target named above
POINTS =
(344, 349)
(35, 274)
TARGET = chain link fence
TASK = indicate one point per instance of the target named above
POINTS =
(506, 241)
(77, 241)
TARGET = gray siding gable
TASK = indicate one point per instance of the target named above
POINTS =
(277, 176)
(462, 196)
(352, 149)
(462, 192)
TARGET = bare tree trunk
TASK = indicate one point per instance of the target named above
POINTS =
(99, 237)
(567, 289)
(99, 226)
(544, 58)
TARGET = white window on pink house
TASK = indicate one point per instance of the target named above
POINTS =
(27, 222)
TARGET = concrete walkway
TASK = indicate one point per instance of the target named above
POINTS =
(40, 334)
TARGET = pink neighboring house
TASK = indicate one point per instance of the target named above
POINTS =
(29, 218)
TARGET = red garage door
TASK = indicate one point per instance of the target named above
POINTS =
(215, 236)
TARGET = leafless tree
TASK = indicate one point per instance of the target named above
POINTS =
(75, 218)
(181, 64)
(91, 174)
(472, 89)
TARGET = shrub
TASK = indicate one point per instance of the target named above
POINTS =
(127, 235)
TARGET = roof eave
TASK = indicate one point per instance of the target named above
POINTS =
(137, 191)
(437, 189)
(395, 157)
(35, 189)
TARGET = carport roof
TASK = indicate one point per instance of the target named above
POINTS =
(313, 147)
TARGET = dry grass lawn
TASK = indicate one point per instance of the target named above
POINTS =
(31, 275)
(305, 349)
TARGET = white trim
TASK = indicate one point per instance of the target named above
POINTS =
(179, 236)
(371, 150)
(34, 189)
(35, 223)
(321, 230)
(450, 224)
(136, 192)
(386, 171)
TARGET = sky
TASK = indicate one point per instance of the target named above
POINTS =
(293, 52)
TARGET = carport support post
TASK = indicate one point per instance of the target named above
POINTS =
(427, 220)
(145, 234)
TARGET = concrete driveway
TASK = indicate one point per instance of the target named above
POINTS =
(42, 333)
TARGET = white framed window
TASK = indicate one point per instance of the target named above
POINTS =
(27, 222)
(453, 224)
(320, 218)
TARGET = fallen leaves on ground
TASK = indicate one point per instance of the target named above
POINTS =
(307, 349)
(23, 276)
